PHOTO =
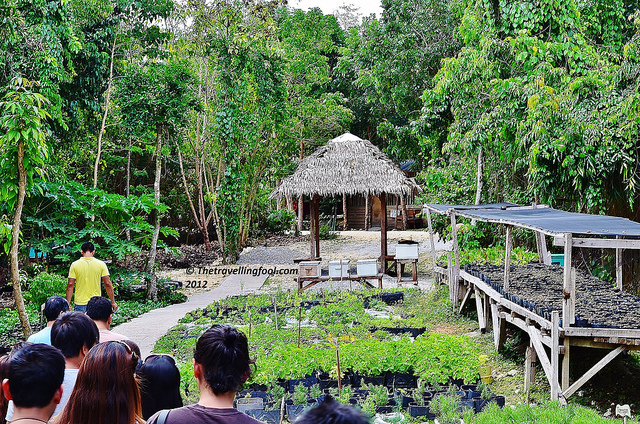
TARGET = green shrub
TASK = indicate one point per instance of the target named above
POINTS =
(45, 285)
(280, 221)
(325, 232)
(547, 412)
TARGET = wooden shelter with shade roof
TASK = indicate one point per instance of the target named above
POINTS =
(346, 165)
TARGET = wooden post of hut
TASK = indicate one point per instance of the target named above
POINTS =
(383, 233)
(367, 212)
(403, 209)
(344, 212)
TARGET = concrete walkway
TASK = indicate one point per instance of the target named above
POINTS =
(146, 329)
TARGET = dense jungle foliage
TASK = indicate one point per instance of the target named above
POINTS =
(136, 122)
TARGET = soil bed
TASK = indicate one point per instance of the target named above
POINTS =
(539, 288)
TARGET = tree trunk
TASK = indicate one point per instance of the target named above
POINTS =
(153, 288)
(202, 219)
(15, 238)
(479, 177)
(127, 189)
(300, 202)
(104, 117)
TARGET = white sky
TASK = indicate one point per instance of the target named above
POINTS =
(329, 6)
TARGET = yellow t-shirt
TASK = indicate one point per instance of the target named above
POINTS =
(88, 273)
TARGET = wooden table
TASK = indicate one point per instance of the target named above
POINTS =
(400, 263)
(307, 282)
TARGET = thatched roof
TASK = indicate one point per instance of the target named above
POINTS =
(346, 165)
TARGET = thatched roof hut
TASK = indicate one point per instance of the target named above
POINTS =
(346, 165)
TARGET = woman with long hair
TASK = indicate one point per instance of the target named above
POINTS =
(106, 391)
(159, 380)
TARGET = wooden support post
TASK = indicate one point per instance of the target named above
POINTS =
(529, 369)
(507, 256)
(456, 266)
(367, 212)
(568, 303)
(543, 359)
(316, 201)
(344, 213)
(499, 326)
(450, 275)
(541, 244)
(383, 233)
(312, 228)
(487, 311)
(433, 243)
(465, 299)
(555, 355)
(619, 267)
(597, 367)
(480, 309)
(565, 364)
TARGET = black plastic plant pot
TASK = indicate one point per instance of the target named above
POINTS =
(356, 379)
(377, 380)
(402, 380)
(420, 411)
(268, 417)
(384, 409)
(329, 383)
(471, 390)
(480, 404)
(308, 381)
(294, 411)
(467, 404)
(500, 400)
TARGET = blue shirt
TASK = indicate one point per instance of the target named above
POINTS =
(42, 336)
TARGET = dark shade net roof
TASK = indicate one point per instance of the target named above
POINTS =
(442, 209)
(555, 222)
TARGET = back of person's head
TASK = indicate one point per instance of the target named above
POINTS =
(99, 308)
(4, 373)
(332, 412)
(35, 374)
(54, 306)
(106, 391)
(136, 350)
(223, 353)
(87, 246)
(72, 331)
(159, 380)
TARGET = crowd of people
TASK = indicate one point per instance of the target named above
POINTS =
(77, 371)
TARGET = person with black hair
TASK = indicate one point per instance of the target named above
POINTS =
(74, 333)
(34, 383)
(53, 307)
(221, 364)
(159, 380)
(100, 311)
(85, 275)
(331, 411)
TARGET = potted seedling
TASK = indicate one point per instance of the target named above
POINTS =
(380, 397)
(445, 408)
(300, 402)
(417, 408)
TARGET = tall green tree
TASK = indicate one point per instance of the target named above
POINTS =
(23, 154)
(157, 98)
(391, 61)
(547, 104)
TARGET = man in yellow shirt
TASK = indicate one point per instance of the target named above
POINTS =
(85, 275)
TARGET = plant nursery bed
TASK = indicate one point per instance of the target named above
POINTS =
(539, 288)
